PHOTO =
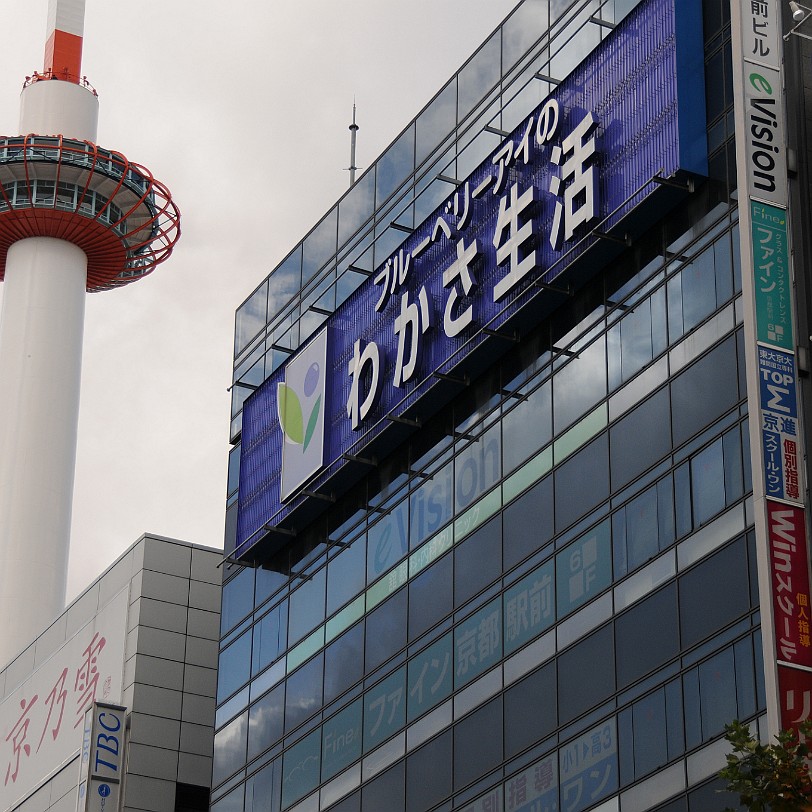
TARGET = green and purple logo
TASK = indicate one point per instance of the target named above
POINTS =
(300, 406)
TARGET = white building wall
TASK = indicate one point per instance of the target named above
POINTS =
(170, 672)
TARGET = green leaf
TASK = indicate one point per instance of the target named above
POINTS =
(290, 413)
(311, 423)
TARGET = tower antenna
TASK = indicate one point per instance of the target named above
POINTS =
(353, 134)
(74, 218)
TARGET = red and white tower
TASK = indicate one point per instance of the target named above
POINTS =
(74, 218)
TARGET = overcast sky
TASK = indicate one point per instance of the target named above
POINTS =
(242, 110)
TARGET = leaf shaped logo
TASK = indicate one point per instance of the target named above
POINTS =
(311, 423)
(290, 413)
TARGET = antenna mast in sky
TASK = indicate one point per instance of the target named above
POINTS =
(74, 218)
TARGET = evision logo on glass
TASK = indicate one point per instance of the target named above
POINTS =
(301, 408)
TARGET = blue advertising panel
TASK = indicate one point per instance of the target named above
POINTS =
(584, 569)
(384, 709)
(529, 607)
(478, 643)
(779, 424)
(431, 677)
(534, 789)
(596, 160)
(588, 768)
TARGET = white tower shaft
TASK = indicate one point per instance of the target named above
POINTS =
(40, 367)
(41, 329)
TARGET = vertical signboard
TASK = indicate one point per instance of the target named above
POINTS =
(103, 758)
(777, 447)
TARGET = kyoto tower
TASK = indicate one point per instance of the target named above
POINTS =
(74, 218)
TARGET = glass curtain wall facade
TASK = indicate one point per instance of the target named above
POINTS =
(547, 598)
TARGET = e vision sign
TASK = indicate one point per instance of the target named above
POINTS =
(600, 156)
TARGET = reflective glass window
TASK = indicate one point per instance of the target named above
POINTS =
(263, 791)
(478, 743)
(717, 691)
(583, 569)
(574, 43)
(531, 710)
(430, 505)
(477, 560)
(341, 740)
(528, 22)
(307, 606)
(529, 606)
(431, 596)
(579, 385)
(234, 667)
(270, 637)
(428, 774)
(437, 121)
(704, 391)
(251, 318)
(478, 643)
(479, 75)
(346, 575)
(647, 635)
(356, 207)
(528, 522)
(431, 677)
(300, 770)
(384, 709)
(343, 662)
(394, 166)
(601, 743)
(265, 721)
(595, 657)
(477, 468)
(386, 630)
(229, 748)
(640, 438)
(303, 696)
(714, 593)
(237, 600)
(582, 482)
(388, 540)
(285, 282)
(649, 723)
(319, 246)
(385, 791)
(527, 428)
(707, 482)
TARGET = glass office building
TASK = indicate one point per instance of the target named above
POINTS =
(533, 572)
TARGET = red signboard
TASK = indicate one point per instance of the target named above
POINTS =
(795, 696)
(789, 576)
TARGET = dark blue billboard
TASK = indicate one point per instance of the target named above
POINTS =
(584, 173)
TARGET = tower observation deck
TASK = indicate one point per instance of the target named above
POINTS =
(74, 218)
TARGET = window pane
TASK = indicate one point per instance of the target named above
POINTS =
(528, 523)
(428, 774)
(707, 483)
(582, 482)
(384, 709)
(395, 165)
(251, 318)
(307, 606)
(346, 575)
(341, 740)
(304, 692)
(584, 569)
(714, 593)
(529, 607)
(234, 666)
(265, 720)
(386, 630)
(300, 771)
(579, 385)
(518, 442)
(647, 636)
(477, 468)
(343, 662)
(229, 748)
(478, 743)
(478, 643)
(531, 711)
(388, 541)
(319, 246)
(430, 677)
(594, 656)
(479, 75)
(431, 597)
(237, 601)
(430, 506)
(437, 121)
(477, 561)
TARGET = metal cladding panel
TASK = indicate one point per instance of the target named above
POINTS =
(489, 247)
